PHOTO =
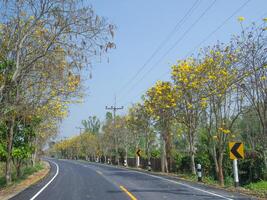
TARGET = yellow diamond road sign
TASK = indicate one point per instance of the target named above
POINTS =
(138, 152)
(236, 150)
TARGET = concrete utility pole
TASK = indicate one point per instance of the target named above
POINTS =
(80, 133)
(80, 128)
(114, 108)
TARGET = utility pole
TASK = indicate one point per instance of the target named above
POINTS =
(80, 128)
(80, 133)
(114, 108)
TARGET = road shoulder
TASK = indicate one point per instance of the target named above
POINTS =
(13, 190)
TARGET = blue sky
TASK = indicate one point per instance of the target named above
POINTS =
(142, 25)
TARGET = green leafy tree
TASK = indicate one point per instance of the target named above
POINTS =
(92, 125)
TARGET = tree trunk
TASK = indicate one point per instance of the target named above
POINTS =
(218, 161)
(220, 167)
(214, 155)
(192, 151)
(193, 168)
(164, 162)
(117, 154)
(34, 155)
(192, 156)
(9, 151)
(18, 168)
(168, 152)
(163, 156)
(165, 159)
(265, 144)
(147, 148)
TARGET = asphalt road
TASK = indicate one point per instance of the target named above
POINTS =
(77, 180)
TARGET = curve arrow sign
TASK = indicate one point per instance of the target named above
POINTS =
(138, 152)
(236, 150)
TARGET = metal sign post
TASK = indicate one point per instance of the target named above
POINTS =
(138, 161)
(236, 179)
(138, 153)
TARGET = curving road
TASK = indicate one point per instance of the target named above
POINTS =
(77, 180)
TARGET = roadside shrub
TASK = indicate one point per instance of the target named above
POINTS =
(251, 168)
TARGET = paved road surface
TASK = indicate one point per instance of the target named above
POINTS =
(75, 180)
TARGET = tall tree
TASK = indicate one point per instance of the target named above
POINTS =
(251, 46)
(159, 102)
(92, 125)
(44, 46)
(224, 101)
(139, 123)
(189, 81)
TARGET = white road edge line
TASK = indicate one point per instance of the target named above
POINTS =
(43, 188)
(189, 186)
(176, 182)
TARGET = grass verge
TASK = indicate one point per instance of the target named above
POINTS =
(26, 171)
(259, 188)
(31, 175)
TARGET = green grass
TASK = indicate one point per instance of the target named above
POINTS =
(25, 171)
(259, 187)
(228, 181)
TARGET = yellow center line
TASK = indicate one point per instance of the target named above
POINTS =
(128, 193)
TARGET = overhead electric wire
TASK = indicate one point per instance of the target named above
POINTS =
(218, 28)
(214, 31)
(175, 29)
(174, 45)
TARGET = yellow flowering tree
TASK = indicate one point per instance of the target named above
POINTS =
(224, 100)
(84, 145)
(44, 45)
(251, 46)
(159, 101)
(189, 82)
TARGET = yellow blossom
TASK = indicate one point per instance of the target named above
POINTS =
(189, 105)
(225, 131)
(263, 78)
(241, 18)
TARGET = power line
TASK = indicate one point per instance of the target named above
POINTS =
(215, 30)
(175, 29)
(218, 28)
(212, 33)
(174, 45)
(159, 78)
